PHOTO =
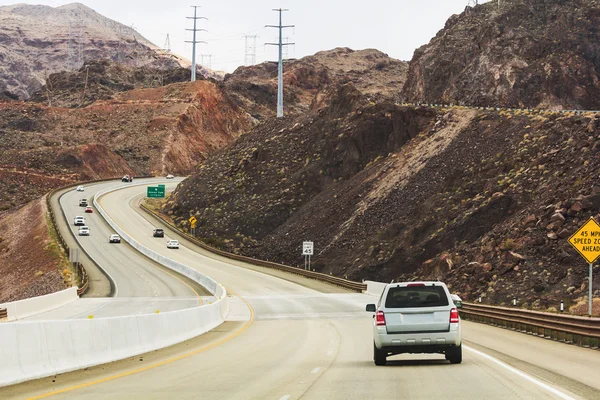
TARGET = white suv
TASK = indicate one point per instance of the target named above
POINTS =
(416, 317)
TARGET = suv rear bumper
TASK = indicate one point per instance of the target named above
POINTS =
(419, 342)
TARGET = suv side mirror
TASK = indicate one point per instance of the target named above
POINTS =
(371, 308)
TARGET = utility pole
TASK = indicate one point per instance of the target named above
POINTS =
(194, 42)
(250, 53)
(280, 63)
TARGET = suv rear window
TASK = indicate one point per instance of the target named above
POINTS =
(416, 296)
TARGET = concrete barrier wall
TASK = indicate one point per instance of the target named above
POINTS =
(37, 305)
(36, 349)
(375, 288)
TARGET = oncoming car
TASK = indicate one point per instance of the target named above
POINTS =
(79, 221)
(114, 238)
(416, 317)
(89, 209)
(170, 176)
(80, 188)
(172, 244)
(83, 231)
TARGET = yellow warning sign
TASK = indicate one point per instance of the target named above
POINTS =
(587, 240)
(192, 220)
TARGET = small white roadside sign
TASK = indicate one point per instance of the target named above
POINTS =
(307, 248)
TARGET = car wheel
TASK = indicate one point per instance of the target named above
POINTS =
(454, 355)
(379, 356)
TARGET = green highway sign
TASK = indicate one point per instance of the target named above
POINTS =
(155, 191)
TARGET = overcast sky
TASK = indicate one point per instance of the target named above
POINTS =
(396, 27)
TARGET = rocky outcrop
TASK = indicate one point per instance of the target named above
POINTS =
(306, 80)
(529, 54)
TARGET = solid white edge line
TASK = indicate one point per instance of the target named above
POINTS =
(521, 374)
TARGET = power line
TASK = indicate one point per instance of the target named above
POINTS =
(250, 53)
(194, 41)
(280, 62)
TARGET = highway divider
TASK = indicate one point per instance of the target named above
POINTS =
(334, 280)
(36, 305)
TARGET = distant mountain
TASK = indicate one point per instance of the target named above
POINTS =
(530, 53)
(37, 41)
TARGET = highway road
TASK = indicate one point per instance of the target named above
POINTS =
(297, 338)
(141, 285)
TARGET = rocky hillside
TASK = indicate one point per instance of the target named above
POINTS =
(37, 41)
(102, 80)
(483, 200)
(144, 131)
(370, 71)
(530, 54)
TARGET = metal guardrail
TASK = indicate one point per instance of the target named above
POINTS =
(582, 331)
(508, 109)
(3, 313)
(347, 284)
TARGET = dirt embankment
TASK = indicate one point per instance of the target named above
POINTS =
(483, 200)
(30, 262)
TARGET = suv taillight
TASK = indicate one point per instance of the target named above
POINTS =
(454, 316)
(380, 318)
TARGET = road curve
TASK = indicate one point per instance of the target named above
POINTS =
(141, 285)
(297, 338)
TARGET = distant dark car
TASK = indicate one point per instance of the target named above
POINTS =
(158, 233)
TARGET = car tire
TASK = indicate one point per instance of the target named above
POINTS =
(454, 354)
(379, 356)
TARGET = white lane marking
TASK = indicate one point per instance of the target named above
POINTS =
(286, 397)
(330, 352)
(314, 371)
(521, 374)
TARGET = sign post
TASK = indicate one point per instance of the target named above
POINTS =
(193, 221)
(307, 251)
(587, 243)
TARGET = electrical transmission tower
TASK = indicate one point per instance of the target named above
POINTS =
(280, 62)
(167, 46)
(209, 57)
(286, 42)
(250, 54)
(75, 44)
(194, 42)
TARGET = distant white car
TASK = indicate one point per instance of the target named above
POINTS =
(114, 238)
(84, 231)
(80, 188)
(78, 221)
(170, 176)
(172, 244)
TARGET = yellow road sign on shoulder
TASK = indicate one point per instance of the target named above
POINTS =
(192, 220)
(193, 225)
(587, 240)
